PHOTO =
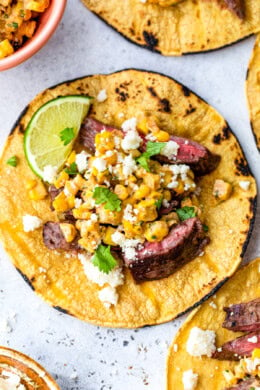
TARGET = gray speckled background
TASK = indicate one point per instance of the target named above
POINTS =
(78, 355)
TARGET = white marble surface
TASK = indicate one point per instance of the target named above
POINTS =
(82, 356)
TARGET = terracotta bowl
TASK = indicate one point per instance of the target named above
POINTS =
(47, 24)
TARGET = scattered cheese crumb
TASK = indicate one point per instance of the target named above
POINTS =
(170, 149)
(31, 222)
(201, 342)
(100, 164)
(189, 380)
(102, 95)
(131, 141)
(82, 161)
(128, 213)
(129, 165)
(78, 203)
(244, 184)
(129, 246)
(213, 305)
(129, 125)
(49, 173)
(108, 296)
(253, 339)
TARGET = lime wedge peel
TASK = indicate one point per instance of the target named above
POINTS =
(42, 141)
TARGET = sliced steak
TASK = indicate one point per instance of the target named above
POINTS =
(89, 129)
(157, 260)
(237, 7)
(247, 384)
(243, 317)
(239, 347)
(53, 238)
(173, 205)
(53, 191)
(200, 159)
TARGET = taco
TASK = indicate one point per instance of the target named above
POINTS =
(18, 371)
(253, 91)
(207, 210)
(185, 27)
(218, 346)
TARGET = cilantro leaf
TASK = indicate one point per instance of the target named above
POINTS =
(67, 135)
(72, 169)
(143, 160)
(205, 228)
(158, 203)
(186, 213)
(104, 195)
(103, 259)
(13, 161)
(13, 24)
(152, 148)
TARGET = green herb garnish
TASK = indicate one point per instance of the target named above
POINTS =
(72, 169)
(205, 228)
(67, 135)
(158, 203)
(103, 259)
(13, 161)
(13, 24)
(22, 13)
(109, 198)
(186, 213)
(152, 148)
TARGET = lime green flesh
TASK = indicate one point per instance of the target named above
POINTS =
(42, 143)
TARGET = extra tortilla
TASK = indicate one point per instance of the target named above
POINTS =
(32, 374)
(253, 90)
(64, 285)
(190, 26)
(243, 287)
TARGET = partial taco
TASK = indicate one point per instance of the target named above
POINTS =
(218, 346)
(20, 372)
(126, 199)
(253, 90)
(174, 27)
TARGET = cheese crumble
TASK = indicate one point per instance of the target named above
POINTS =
(102, 96)
(201, 342)
(189, 380)
(31, 222)
(49, 173)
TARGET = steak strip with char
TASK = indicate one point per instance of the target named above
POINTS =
(239, 347)
(243, 316)
(53, 238)
(247, 384)
(200, 159)
(158, 260)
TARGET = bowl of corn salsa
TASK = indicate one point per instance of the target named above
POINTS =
(25, 27)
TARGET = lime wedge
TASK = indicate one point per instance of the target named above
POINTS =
(44, 143)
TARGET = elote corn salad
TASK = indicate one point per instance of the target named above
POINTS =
(18, 22)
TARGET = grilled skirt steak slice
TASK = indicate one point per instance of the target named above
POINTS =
(239, 347)
(157, 260)
(200, 159)
(243, 317)
(53, 238)
(247, 384)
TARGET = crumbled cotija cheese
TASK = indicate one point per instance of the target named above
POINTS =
(102, 95)
(114, 278)
(253, 339)
(189, 380)
(31, 222)
(82, 161)
(129, 166)
(129, 125)
(100, 164)
(129, 246)
(129, 213)
(108, 296)
(201, 342)
(170, 149)
(131, 141)
(244, 184)
(78, 203)
(49, 173)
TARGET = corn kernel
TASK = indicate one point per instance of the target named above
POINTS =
(82, 212)
(152, 180)
(60, 203)
(30, 183)
(37, 193)
(6, 49)
(71, 158)
(142, 126)
(162, 136)
(146, 210)
(256, 353)
(167, 195)
(107, 238)
(61, 179)
(69, 231)
(70, 188)
(142, 192)
(79, 182)
(132, 230)
(156, 231)
(37, 5)
(222, 190)
(121, 191)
